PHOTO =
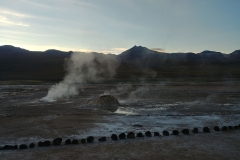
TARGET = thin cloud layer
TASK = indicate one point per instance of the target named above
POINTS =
(158, 49)
(107, 26)
(5, 21)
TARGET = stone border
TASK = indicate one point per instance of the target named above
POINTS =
(115, 137)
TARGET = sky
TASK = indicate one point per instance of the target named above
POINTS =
(113, 26)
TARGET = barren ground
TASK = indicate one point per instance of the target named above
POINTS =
(153, 106)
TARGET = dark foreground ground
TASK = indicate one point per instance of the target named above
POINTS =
(199, 146)
(144, 106)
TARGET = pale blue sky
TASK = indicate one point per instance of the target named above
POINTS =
(112, 26)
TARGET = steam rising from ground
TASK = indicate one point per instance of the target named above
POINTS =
(82, 68)
(133, 93)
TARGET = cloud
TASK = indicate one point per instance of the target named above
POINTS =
(158, 49)
(13, 13)
(105, 51)
(114, 50)
(5, 21)
(34, 3)
(12, 18)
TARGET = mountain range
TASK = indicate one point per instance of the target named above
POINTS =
(21, 64)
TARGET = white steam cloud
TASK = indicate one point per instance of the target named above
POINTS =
(133, 93)
(82, 68)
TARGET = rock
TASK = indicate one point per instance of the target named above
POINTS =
(148, 134)
(57, 141)
(32, 145)
(9, 147)
(195, 130)
(130, 135)
(83, 141)
(206, 130)
(230, 127)
(224, 128)
(90, 139)
(75, 141)
(114, 137)
(216, 128)
(235, 127)
(40, 144)
(156, 134)
(122, 136)
(239, 126)
(23, 146)
(102, 139)
(105, 102)
(165, 133)
(185, 131)
(68, 141)
(46, 143)
(175, 132)
(140, 134)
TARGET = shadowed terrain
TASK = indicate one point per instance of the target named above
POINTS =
(149, 90)
(137, 62)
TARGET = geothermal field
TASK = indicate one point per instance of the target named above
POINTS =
(26, 117)
(117, 107)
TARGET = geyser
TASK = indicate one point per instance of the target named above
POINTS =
(82, 68)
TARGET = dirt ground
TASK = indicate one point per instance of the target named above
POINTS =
(199, 146)
(24, 118)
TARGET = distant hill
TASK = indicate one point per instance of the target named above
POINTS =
(143, 53)
(20, 64)
(207, 64)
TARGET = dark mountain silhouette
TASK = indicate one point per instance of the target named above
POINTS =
(234, 55)
(139, 52)
(10, 49)
(207, 64)
(20, 64)
(17, 63)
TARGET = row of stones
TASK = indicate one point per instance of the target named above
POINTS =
(130, 135)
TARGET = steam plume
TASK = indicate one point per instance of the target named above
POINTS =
(82, 68)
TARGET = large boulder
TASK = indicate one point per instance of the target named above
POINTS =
(122, 136)
(32, 145)
(102, 139)
(23, 146)
(148, 134)
(206, 130)
(40, 144)
(165, 133)
(105, 102)
(216, 128)
(195, 130)
(9, 147)
(156, 134)
(140, 134)
(185, 131)
(90, 139)
(57, 141)
(47, 143)
(114, 137)
(130, 135)
(75, 141)
(68, 141)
